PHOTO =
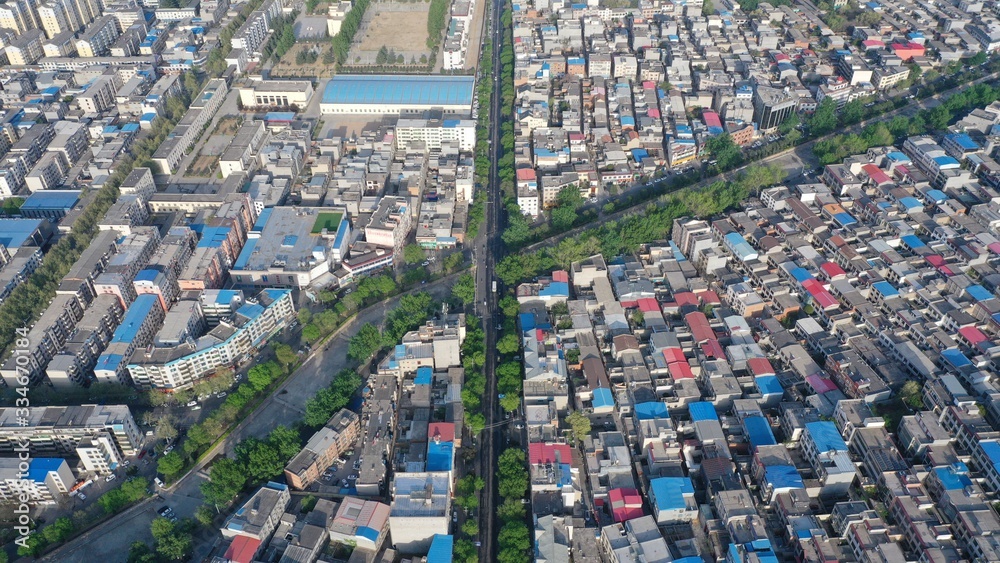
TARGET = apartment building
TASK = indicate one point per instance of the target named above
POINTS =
(328, 443)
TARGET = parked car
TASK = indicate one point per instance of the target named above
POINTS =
(222, 395)
(196, 408)
(126, 463)
(192, 403)
(110, 478)
(81, 496)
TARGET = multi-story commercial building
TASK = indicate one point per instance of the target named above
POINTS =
(45, 482)
(432, 134)
(276, 93)
(141, 322)
(60, 430)
(771, 107)
(325, 446)
(260, 515)
(390, 224)
(234, 340)
(421, 508)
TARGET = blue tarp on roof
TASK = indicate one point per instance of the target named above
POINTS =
(956, 358)
(425, 376)
(41, 467)
(669, 492)
(910, 202)
(370, 534)
(527, 321)
(555, 289)
(758, 431)
(783, 477)
(440, 455)
(946, 162)
(702, 410)
(825, 435)
(952, 480)
(651, 410)
(844, 219)
(937, 196)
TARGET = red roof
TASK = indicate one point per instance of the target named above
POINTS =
(821, 384)
(832, 270)
(680, 370)
(934, 260)
(525, 173)
(672, 355)
(654, 113)
(648, 304)
(243, 549)
(826, 300)
(973, 335)
(445, 431)
(626, 504)
(560, 276)
(812, 286)
(709, 297)
(712, 349)
(539, 452)
(686, 298)
(711, 119)
(760, 366)
(876, 174)
(648, 85)
(870, 43)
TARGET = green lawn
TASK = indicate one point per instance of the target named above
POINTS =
(329, 221)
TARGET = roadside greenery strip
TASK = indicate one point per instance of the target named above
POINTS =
(823, 122)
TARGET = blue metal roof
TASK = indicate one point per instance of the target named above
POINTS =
(844, 219)
(527, 321)
(244, 257)
(910, 202)
(250, 310)
(885, 288)
(912, 241)
(370, 534)
(440, 455)
(801, 274)
(651, 410)
(41, 467)
(963, 140)
(783, 477)
(51, 199)
(279, 116)
(135, 317)
(825, 435)
(897, 156)
(992, 450)
(425, 376)
(668, 492)
(945, 161)
(603, 397)
(227, 295)
(14, 232)
(937, 196)
(758, 431)
(702, 411)
(441, 549)
(147, 274)
(555, 289)
(769, 385)
(979, 293)
(399, 90)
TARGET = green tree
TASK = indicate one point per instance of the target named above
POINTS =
(286, 440)
(465, 289)
(579, 423)
(365, 343)
(508, 344)
(260, 460)
(172, 543)
(512, 476)
(205, 515)
(978, 59)
(414, 254)
(852, 112)
(824, 119)
(261, 375)
(724, 150)
(32, 546)
(227, 478)
(511, 510)
(911, 394)
(510, 306)
(170, 464)
(286, 356)
(707, 8)
(139, 552)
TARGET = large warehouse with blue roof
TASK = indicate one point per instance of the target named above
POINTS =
(381, 94)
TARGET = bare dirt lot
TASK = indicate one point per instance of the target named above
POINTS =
(202, 167)
(288, 67)
(399, 31)
(227, 125)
